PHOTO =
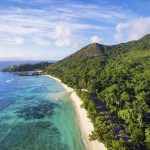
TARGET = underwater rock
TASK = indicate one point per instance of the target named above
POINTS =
(40, 110)
(41, 135)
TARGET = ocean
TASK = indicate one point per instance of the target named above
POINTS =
(36, 113)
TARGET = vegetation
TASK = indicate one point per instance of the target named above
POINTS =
(118, 99)
(27, 67)
(29, 73)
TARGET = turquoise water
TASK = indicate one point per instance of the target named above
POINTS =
(36, 114)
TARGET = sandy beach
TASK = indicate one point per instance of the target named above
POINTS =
(85, 124)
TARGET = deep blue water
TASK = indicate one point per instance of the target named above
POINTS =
(36, 114)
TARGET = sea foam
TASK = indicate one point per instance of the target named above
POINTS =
(7, 81)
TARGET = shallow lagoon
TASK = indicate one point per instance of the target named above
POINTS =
(36, 114)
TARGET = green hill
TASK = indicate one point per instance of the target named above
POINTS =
(118, 80)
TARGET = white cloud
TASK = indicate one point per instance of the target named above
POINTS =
(41, 42)
(28, 23)
(13, 40)
(18, 30)
(95, 12)
(63, 42)
(64, 36)
(96, 39)
(61, 31)
(120, 30)
(133, 29)
(32, 1)
(19, 41)
(67, 23)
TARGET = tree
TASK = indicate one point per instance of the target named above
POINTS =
(147, 139)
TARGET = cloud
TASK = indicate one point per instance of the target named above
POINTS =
(64, 36)
(132, 30)
(17, 30)
(96, 39)
(68, 24)
(32, 1)
(63, 42)
(12, 40)
(19, 40)
(62, 31)
(94, 12)
(41, 42)
(120, 28)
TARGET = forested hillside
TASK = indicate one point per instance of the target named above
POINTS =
(26, 67)
(118, 82)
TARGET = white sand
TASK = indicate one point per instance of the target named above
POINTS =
(85, 124)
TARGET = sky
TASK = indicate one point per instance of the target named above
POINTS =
(54, 29)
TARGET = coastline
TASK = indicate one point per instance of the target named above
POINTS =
(86, 127)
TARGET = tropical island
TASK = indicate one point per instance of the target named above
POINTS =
(27, 69)
(113, 83)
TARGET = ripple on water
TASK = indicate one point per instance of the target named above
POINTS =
(33, 136)
(5, 102)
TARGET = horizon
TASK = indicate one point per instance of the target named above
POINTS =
(51, 30)
(25, 60)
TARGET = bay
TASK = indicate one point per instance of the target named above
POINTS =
(36, 113)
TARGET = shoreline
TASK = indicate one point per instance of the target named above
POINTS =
(86, 127)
